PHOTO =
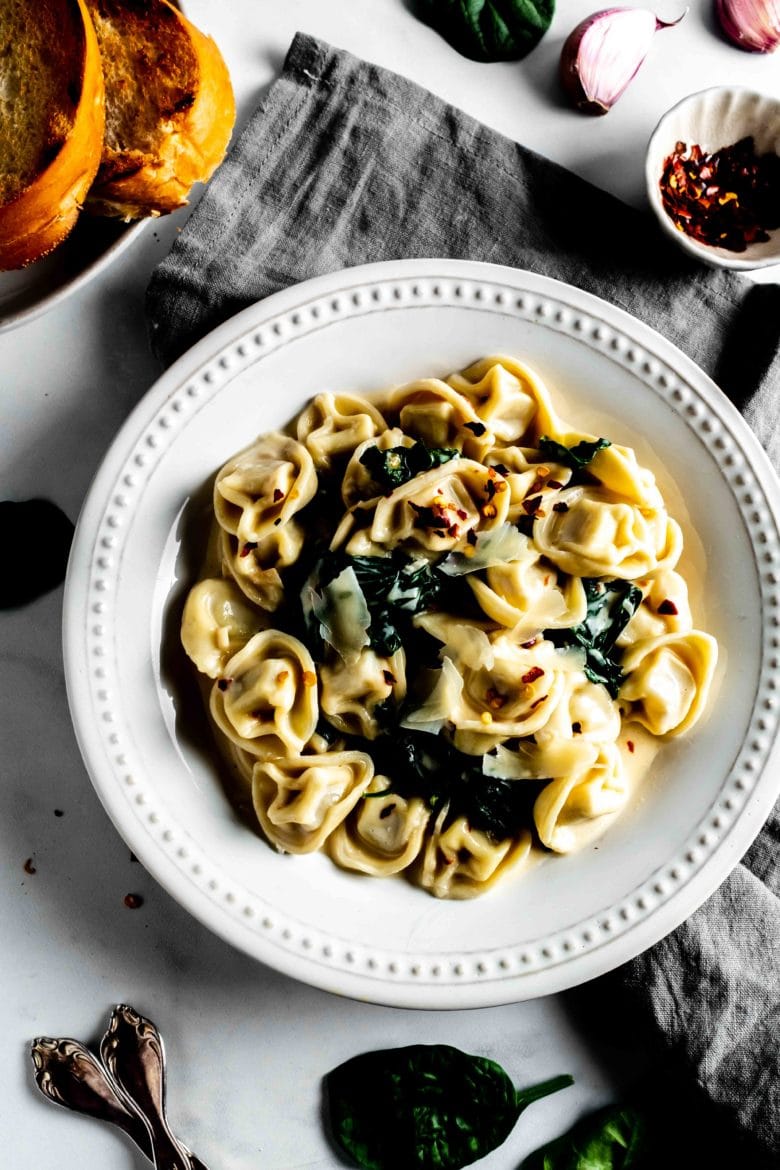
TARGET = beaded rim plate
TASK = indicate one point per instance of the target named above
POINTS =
(568, 919)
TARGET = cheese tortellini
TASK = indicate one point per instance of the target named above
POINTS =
(436, 626)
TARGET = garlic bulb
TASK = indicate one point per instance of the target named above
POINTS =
(604, 53)
(753, 25)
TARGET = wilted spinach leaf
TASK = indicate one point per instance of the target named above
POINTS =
(432, 1107)
(615, 1138)
(389, 469)
(489, 30)
(611, 605)
(424, 765)
(577, 457)
(395, 588)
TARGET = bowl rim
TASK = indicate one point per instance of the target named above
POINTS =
(15, 317)
(705, 252)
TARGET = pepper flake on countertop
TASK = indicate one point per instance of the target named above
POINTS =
(728, 199)
(133, 901)
(29, 867)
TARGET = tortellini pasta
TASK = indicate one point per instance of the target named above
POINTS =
(299, 800)
(351, 691)
(263, 487)
(437, 510)
(383, 834)
(460, 861)
(334, 424)
(436, 624)
(216, 623)
(590, 532)
(666, 680)
(267, 699)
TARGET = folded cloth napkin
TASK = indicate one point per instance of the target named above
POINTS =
(346, 163)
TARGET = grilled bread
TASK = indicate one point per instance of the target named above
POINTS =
(51, 123)
(169, 108)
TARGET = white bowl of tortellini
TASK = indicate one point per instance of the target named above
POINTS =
(443, 641)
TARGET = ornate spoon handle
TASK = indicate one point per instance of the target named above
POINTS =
(132, 1051)
(67, 1073)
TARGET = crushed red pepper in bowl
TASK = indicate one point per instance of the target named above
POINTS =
(728, 199)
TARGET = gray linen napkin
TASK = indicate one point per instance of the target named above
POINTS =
(346, 163)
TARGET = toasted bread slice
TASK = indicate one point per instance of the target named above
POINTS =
(169, 108)
(51, 123)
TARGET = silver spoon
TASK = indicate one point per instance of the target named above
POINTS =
(132, 1051)
(70, 1075)
(67, 1073)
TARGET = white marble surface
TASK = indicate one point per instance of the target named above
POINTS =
(247, 1047)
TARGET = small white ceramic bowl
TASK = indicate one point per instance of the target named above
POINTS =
(715, 118)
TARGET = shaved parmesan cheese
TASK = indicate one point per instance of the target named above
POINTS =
(441, 702)
(496, 546)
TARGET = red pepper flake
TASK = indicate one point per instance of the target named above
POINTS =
(224, 683)
(501, 468)
(277, 521)
(576, 727)
(531, 642)
(476, 428)
(561, 506)
(532, 675)
(532, 506)
(490, 488)
(309, 678)
(495, 699)
(536, 702)
(667, 606)
(247, 548)
(133, 901)
(536, 486)
(471, 536)
(278, 495)
(728, 199)
(389, 677)
(488, 511)
(462, 514)
(630, 745)
(58, 812)
(29, 867)
(435, 518)
(387, 810)
(554, 483)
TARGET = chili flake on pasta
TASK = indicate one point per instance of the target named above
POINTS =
(434, 621)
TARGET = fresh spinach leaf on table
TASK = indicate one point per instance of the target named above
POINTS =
(614, 1138)
(610, 607)
(488, 30)
(426, 1106)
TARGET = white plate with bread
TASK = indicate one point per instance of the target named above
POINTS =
(109, 113)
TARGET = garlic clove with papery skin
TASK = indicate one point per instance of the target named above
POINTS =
(753, 25)
(604, 53)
